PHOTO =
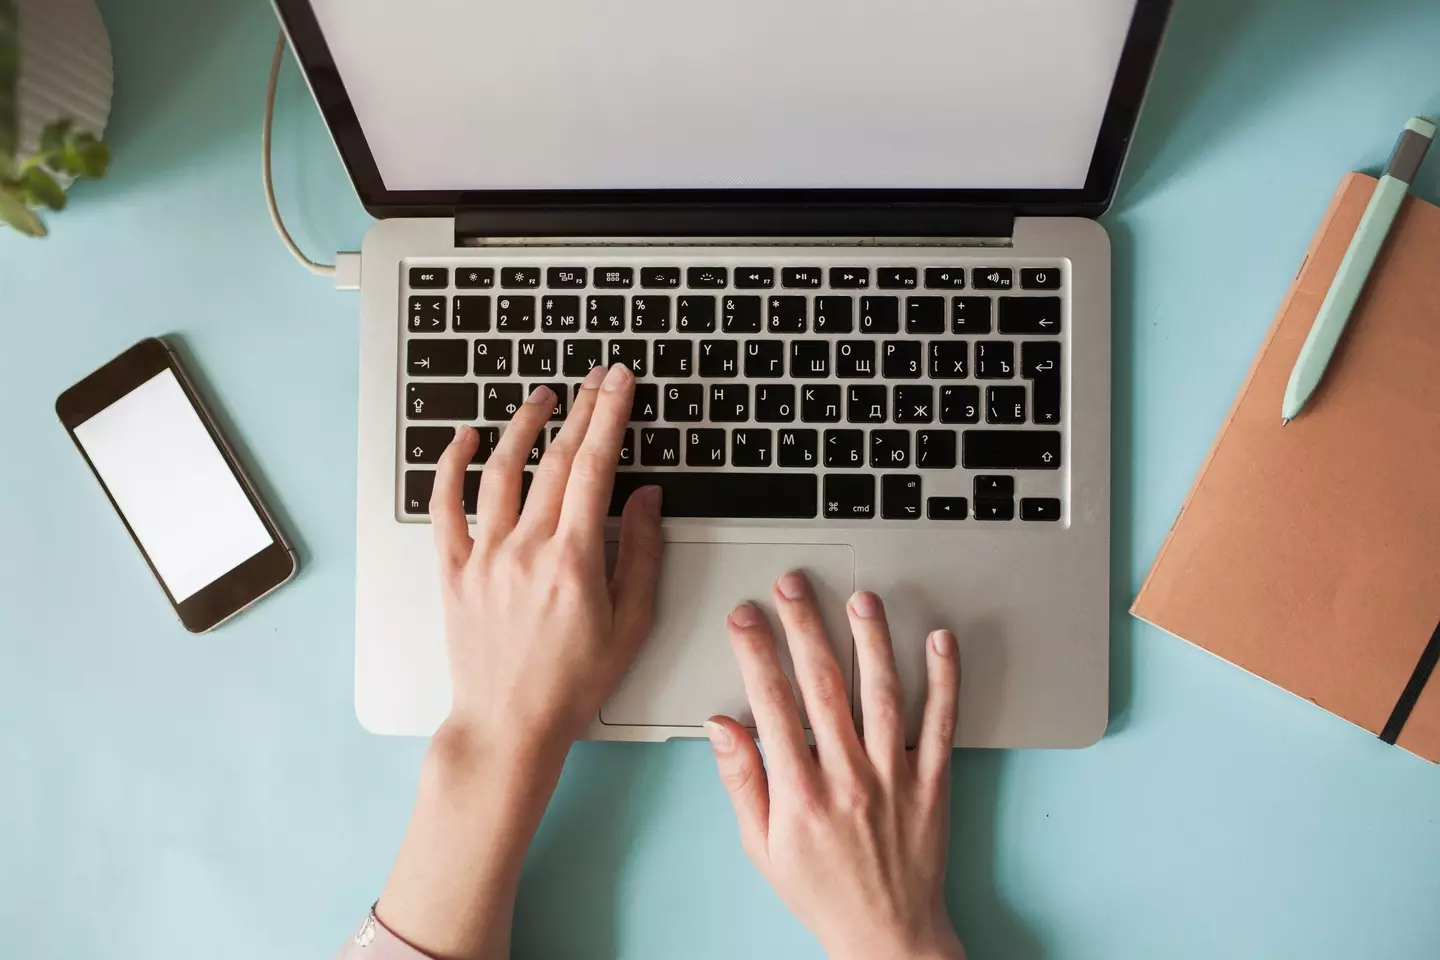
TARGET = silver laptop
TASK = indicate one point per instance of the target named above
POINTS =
(849, 251)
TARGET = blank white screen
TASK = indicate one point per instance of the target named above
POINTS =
(173, 486)
(537, 94)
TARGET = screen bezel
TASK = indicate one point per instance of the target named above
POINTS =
(898, 206)
(242, 585)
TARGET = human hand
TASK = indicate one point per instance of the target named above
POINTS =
(853, 836)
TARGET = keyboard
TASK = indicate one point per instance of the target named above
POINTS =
(904, 387)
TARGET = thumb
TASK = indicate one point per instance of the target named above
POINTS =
(637, 566)
(743, 774)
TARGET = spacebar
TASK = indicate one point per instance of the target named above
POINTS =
(745, 495)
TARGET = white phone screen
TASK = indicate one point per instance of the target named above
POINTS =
(173, 486)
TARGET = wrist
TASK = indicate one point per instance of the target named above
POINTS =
(462, 749)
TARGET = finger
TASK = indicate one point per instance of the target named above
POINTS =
(777, 718)
(592, 478)
(942, 704)
(547, 493)
(447, 508)
(822, 685)
(881, 699)
(743, 774)
(637, 566)
(500, 482)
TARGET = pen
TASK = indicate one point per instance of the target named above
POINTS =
(1355, 267)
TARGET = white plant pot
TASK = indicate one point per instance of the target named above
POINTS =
(65, 67)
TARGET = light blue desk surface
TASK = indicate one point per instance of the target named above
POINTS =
(166, 796)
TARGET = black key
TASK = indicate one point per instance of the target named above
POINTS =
(970, 314)
(849, 497)
(705, 278)
(475, 278)
(438, 358)
(945, 278)
(1030, 315)
(719, 358)
(896, 278)
(560, 314)
(472, 314)
(705, 448)
(855, 358)
(820, 403)
(650, 314)
(754, 278)
(659, 447)
(914, 403)
(645, 408)
(834, 315)
(659, 278)
(1039, 508)
(865, 404)
(729, 403)
(579, 356)
(614, 278)
(629, 352)
(797, 448)
(879, 314)
(924, 314)
(1011, 449)
(890, 449)
(502, 400)
(809, 359)
(538, 358)
(537, 450)
(1041, 278)
(775, 402)
(844, 448)
(948, 359)
(695, 314)
(519, 278)
(1001, 487)
(427, 315)
(1004, 404)
(849, 278)
(685, 403)
(901, 359)
(429, 278)
(627, 448)
(994, 359)
(935, 449)
(515, 315)
(562, 402)
(673, 358)
(959, 404)
(419, 484)
(946, 508)
(805, 278)
(566, 278)
(1040, 363)
(787, 315)
(605, 314)
(750, 448)
(991, 278)
(740, 315)
(791, 496)
(764, 358)
(994, 509)
(900, 497)
(494, 358)
(425, 444)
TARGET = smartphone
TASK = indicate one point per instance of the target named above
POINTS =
(194, 515)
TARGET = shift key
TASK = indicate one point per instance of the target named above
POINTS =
(1010, 449)
(442, 401)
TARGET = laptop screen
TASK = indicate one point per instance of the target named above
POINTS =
(683, 94)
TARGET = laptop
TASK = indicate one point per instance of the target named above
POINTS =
(849, 251)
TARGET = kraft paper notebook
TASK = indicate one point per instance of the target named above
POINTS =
(1309, 554)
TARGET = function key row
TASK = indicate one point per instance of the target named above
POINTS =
(744, 278)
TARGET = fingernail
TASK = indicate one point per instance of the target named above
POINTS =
(593, 378)
(745, 615)
(541, 394)
(720, 739)
(943, 643)
(460, 429)
(617, 376)
(652, 498)
(792, 586)
(865, 605)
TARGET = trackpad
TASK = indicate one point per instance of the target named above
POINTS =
(685, 672)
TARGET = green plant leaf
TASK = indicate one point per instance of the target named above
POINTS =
(52, 138)
(9, 73)
(14, 212)
(84, 156)
(41, 188)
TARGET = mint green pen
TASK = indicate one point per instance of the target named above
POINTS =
(1355, 267)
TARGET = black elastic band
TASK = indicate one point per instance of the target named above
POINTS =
(1412, 691)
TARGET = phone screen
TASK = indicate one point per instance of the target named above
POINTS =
(173, 485)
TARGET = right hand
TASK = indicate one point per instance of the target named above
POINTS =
(854, 836)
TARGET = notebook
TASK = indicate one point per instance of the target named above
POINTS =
(1309, 554)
